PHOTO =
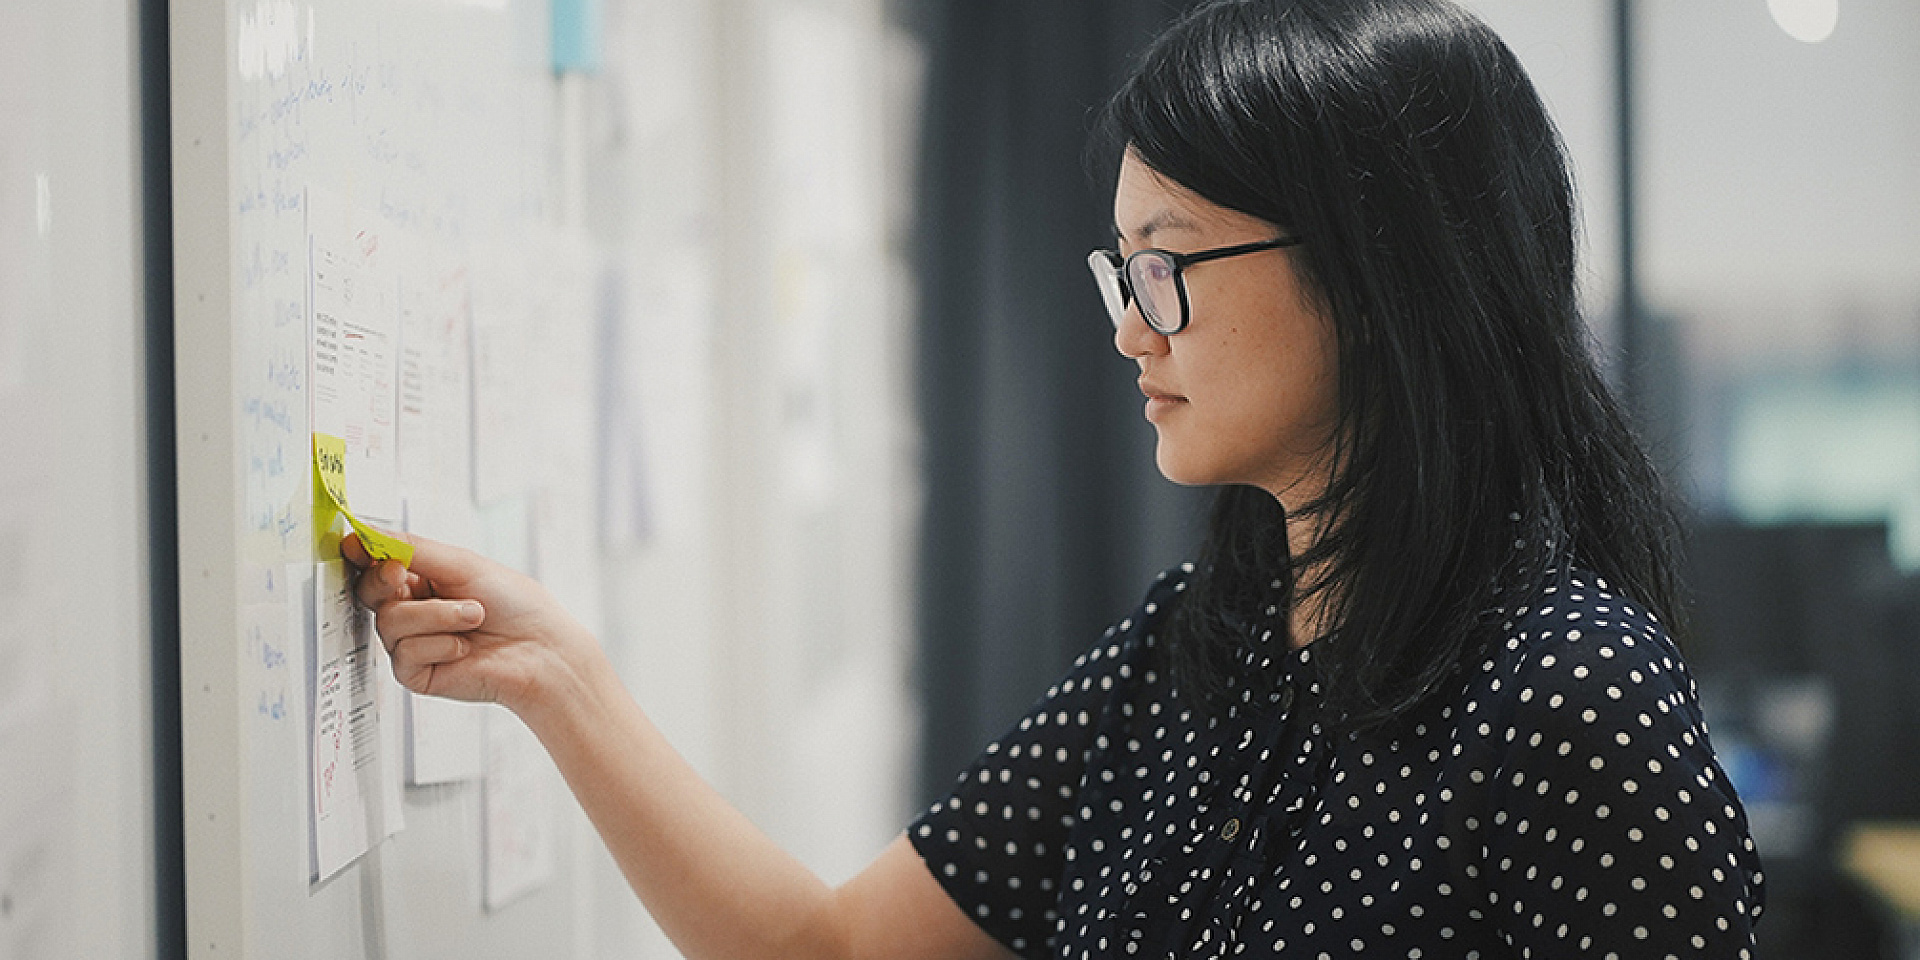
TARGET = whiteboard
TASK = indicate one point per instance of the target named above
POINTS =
(428, 126)
(77, 827)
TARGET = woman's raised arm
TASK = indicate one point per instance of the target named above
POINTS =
(458, 625)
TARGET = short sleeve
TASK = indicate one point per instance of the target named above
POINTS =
(997, 843)
(1615, 832)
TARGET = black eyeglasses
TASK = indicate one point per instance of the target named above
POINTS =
(1153, 277)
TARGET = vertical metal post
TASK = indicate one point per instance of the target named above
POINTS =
(1632, 321)
(156, 191)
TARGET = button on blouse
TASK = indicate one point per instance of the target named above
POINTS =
(1559, 799)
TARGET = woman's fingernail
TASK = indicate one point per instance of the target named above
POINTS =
(470, 611)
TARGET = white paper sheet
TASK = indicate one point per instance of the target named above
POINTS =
(506, 534)
(446, 740)
(626, 496)
(436, 398)
(519, 813)
(355, 786)
(354, 353)
(564, 512)
(503, 339)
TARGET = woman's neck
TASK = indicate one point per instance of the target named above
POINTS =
(1313, 602)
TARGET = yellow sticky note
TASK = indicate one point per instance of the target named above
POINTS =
(330, 465)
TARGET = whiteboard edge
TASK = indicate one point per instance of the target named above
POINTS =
(213, 786)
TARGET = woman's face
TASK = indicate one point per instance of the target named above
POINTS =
(1247, 392)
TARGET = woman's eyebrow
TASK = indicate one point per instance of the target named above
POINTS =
(1165, 219)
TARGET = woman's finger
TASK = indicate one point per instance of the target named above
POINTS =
(375, 587)
(415, 657)
(418, 587)
(387, 581)
(354, 552)
(402, 619)
(444, 563)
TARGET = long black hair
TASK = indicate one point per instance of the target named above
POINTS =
(1479, 446)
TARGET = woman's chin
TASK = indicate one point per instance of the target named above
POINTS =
(1179, 469)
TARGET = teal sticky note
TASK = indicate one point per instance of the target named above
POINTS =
(576, 35)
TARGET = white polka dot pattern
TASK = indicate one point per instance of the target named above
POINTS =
(1561, 800)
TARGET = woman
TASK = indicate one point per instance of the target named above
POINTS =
(1413, 700)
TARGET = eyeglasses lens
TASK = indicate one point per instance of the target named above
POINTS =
(1151, 275)
(1106, 275)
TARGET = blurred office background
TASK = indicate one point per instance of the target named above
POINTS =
(1750, 177)
(876, 473)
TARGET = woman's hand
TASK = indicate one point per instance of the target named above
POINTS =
(461, 626)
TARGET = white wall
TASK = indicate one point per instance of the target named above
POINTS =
(1782, 199)
(1779, 164)
(76, 798)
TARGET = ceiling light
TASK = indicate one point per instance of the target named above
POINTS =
(1808, 21)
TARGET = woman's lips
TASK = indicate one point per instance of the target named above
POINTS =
(1160, 405)
(1154, 391)
(1158, 400)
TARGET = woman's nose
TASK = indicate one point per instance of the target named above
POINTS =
(1133, 338)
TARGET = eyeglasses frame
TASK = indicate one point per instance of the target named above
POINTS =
(1180, 261)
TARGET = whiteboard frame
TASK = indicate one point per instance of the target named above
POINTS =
(209, 481)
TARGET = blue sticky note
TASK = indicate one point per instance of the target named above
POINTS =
(576, 35)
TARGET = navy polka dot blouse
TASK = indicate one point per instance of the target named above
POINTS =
(1561, 800)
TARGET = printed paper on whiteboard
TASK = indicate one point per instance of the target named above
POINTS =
(354, 351)
(354, 784)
